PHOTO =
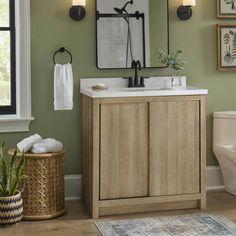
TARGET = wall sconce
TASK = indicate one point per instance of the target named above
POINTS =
(184, 12)
(77, 11)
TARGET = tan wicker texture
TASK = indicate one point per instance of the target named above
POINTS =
(43, 195)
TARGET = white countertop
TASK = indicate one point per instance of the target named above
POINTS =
(154, 86)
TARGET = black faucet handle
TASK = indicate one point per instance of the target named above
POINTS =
(142, 81)
(130, 81)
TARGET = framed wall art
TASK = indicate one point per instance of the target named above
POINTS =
(226, 8)
(226, 53)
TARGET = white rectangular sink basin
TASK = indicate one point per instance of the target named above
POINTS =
(140, 89)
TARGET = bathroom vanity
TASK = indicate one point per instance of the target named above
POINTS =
(143, 148)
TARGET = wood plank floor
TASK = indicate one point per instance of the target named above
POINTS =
(78, 223)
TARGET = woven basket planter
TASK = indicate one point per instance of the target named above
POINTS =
(43, 194)
(11, 209)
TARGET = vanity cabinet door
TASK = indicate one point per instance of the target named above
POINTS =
(174, 148)
(123, 150)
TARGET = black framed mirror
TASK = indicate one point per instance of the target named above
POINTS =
(128, 30)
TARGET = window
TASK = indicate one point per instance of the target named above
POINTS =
(15, 74)
(7, 57)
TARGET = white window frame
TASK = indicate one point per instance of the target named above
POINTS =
(20, 121)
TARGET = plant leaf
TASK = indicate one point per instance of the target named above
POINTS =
(14, 186)
(3, 192)
(4, 175)
(12, 167)
(20, 171)
(2, 147)
(12, 172)
(173, 60)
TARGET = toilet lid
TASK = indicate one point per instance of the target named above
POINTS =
(225, 114)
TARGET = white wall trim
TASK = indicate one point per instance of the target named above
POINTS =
(14, 125)
(214, 178)
(73, 187)
(73, 183)
(21, 120)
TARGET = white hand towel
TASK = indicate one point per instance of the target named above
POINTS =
(63, 87)
(53, 145)
(26, 144)
(48, 145)
(39, 148)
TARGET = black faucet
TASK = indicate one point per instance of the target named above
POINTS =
(136, 82)
(136, 65)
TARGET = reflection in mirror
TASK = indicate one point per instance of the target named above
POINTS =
(131, 30)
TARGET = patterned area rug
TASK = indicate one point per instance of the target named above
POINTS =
(186, 225)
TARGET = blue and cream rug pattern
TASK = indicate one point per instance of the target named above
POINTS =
(184, 225)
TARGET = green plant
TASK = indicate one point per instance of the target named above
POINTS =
(173, 60)
(12, 173)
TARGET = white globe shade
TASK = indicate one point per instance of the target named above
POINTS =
(189, 2)
(78, 3)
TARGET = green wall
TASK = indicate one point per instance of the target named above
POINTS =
(51, 28)
(158, 29)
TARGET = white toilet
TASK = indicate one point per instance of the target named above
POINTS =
(224, 146)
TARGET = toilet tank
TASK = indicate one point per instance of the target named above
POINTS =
(224, 128)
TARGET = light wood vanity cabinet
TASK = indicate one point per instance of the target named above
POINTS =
(123, 150)
(174, 148)
(143, 154)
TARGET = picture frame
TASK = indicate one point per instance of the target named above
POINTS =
(226, 47)
(226, 9)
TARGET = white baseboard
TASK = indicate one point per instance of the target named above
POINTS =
(214, 178)
(73, 183)
(73, 187)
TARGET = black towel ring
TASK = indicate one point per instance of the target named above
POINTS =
(62, 49)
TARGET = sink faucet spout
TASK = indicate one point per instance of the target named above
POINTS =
(135, 82)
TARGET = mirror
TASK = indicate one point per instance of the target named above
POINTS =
(130, 30)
